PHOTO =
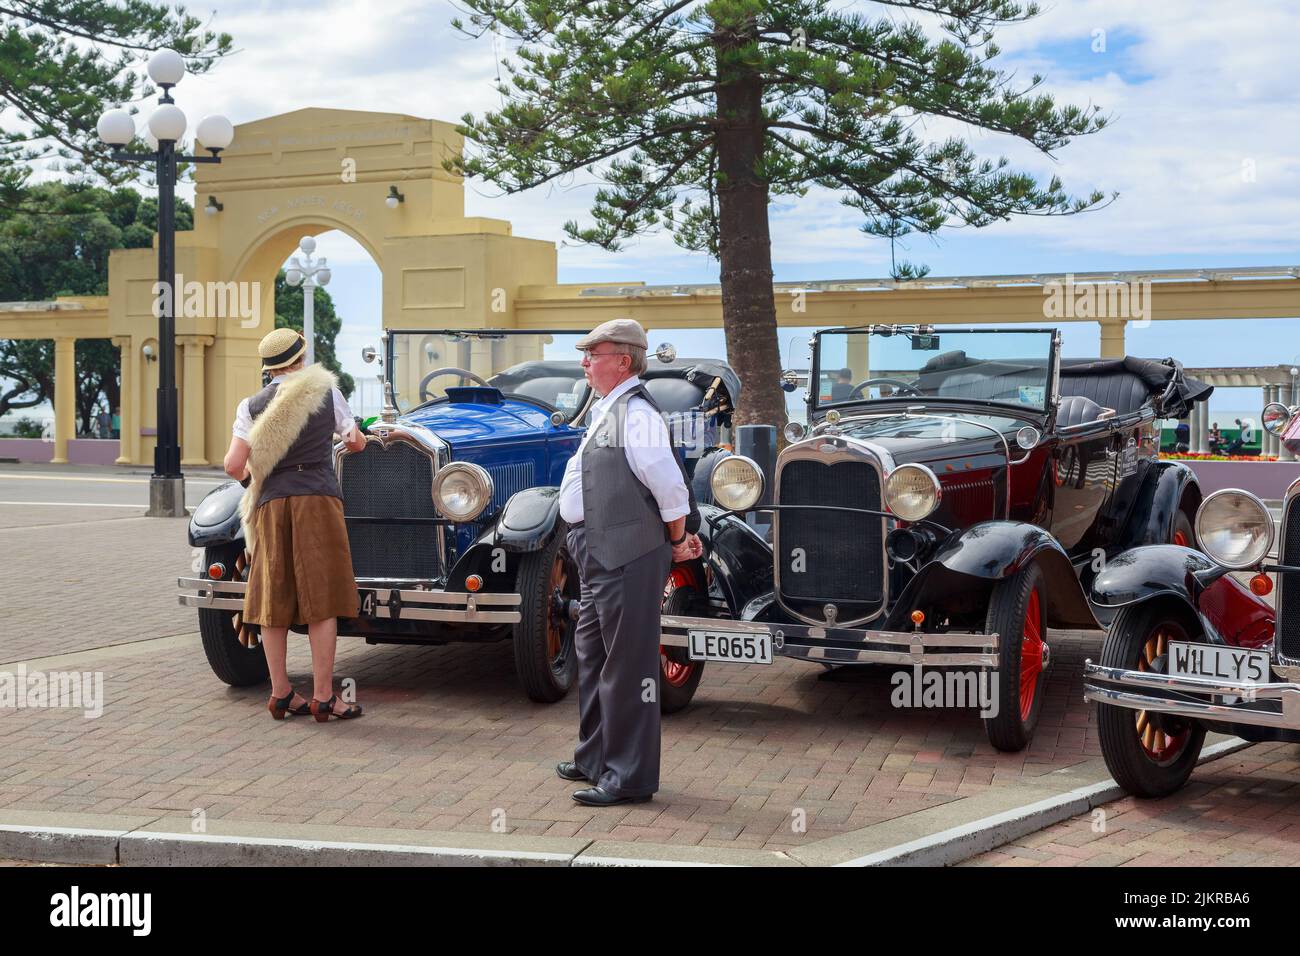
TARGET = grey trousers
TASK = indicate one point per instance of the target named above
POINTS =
(617, 640)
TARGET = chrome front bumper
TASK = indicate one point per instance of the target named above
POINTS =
(1261, 705)
(805, 642)
(392, 603)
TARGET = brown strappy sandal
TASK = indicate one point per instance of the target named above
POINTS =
(322, 710)
(279, 706)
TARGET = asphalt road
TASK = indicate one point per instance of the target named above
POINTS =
(85, 486)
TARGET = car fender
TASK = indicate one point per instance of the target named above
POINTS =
(216, 519)
(528, 520)
(738, 560)
(1142, 574)
(527, 523)
(978, 557)
(1151, 520)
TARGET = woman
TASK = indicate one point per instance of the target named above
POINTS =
(300, 569)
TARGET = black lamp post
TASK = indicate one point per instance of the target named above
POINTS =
(166, 127)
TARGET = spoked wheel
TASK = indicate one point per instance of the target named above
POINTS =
(1149, 754)
(545, 658)
(679, 676)
(1017, 615)
(233, 648)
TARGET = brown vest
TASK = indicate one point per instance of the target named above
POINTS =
(307, 468)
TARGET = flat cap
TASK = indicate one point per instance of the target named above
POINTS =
(281, 348)
(622, 331)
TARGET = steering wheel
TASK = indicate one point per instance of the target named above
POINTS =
(464, 374)
(897, 383)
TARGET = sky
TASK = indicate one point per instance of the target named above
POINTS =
(1203, 148)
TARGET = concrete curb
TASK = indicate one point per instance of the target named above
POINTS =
(959, 843)
(938, 836)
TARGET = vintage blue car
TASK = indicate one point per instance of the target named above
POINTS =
(452, 508)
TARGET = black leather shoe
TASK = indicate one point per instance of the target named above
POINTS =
(599, 797)
(568, 770)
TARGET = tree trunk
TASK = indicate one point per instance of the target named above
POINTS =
(744, 242)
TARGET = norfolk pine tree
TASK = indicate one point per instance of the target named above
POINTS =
(694, 115)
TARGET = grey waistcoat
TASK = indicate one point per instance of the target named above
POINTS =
(307, 468)
(620, 515)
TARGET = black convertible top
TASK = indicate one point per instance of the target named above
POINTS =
(699, 372)
(1164, 377)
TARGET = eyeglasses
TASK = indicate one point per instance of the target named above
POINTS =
(592, 356)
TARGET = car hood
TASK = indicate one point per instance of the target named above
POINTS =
(941, 438)
(465, 424)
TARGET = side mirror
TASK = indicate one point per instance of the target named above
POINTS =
(368, 354)
(1276, 417)
(666, 353)
(789, 380)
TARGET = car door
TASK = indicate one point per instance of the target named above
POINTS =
(1084, 464)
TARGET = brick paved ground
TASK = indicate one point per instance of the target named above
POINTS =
(1241, 810)
(77, 578)
(449, 741)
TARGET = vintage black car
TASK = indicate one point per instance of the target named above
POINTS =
(954, 487)
(452, 508)
(1193, 648)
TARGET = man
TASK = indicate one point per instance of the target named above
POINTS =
(625, 499)
(301, 567)
(842, 388)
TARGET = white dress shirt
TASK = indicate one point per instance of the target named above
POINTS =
(342, 415)
(649, 453)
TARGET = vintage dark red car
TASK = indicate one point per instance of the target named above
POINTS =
(1194, 648)
(954, 486)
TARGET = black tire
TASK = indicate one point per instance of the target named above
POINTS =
(1183, 527)
(679, 676)
(231, 661)
(1121, 729)
(1012, 727)
(545, 658)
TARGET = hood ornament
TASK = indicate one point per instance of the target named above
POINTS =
(831, 612)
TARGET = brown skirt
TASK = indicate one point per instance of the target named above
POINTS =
(302, 569)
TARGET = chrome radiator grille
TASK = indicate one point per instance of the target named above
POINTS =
(1288, 596)
(393, 484)
(831, 557)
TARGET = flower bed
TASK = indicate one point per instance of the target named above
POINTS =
(1206, 456)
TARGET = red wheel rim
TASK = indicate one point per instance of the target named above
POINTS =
(675, 672)
(1158, 744)
(1031, 655)
(1180, 539)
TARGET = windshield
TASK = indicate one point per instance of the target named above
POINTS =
(880, 363)
(544, 367)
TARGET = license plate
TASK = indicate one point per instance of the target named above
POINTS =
(366, 602)
(1238, 665)
(730, 647)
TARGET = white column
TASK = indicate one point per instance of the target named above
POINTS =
(1202, 419)
(1267, 444)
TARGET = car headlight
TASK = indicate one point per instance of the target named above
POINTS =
(1234, 529)
(737, 483)
(912, 492)
(461, 491)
